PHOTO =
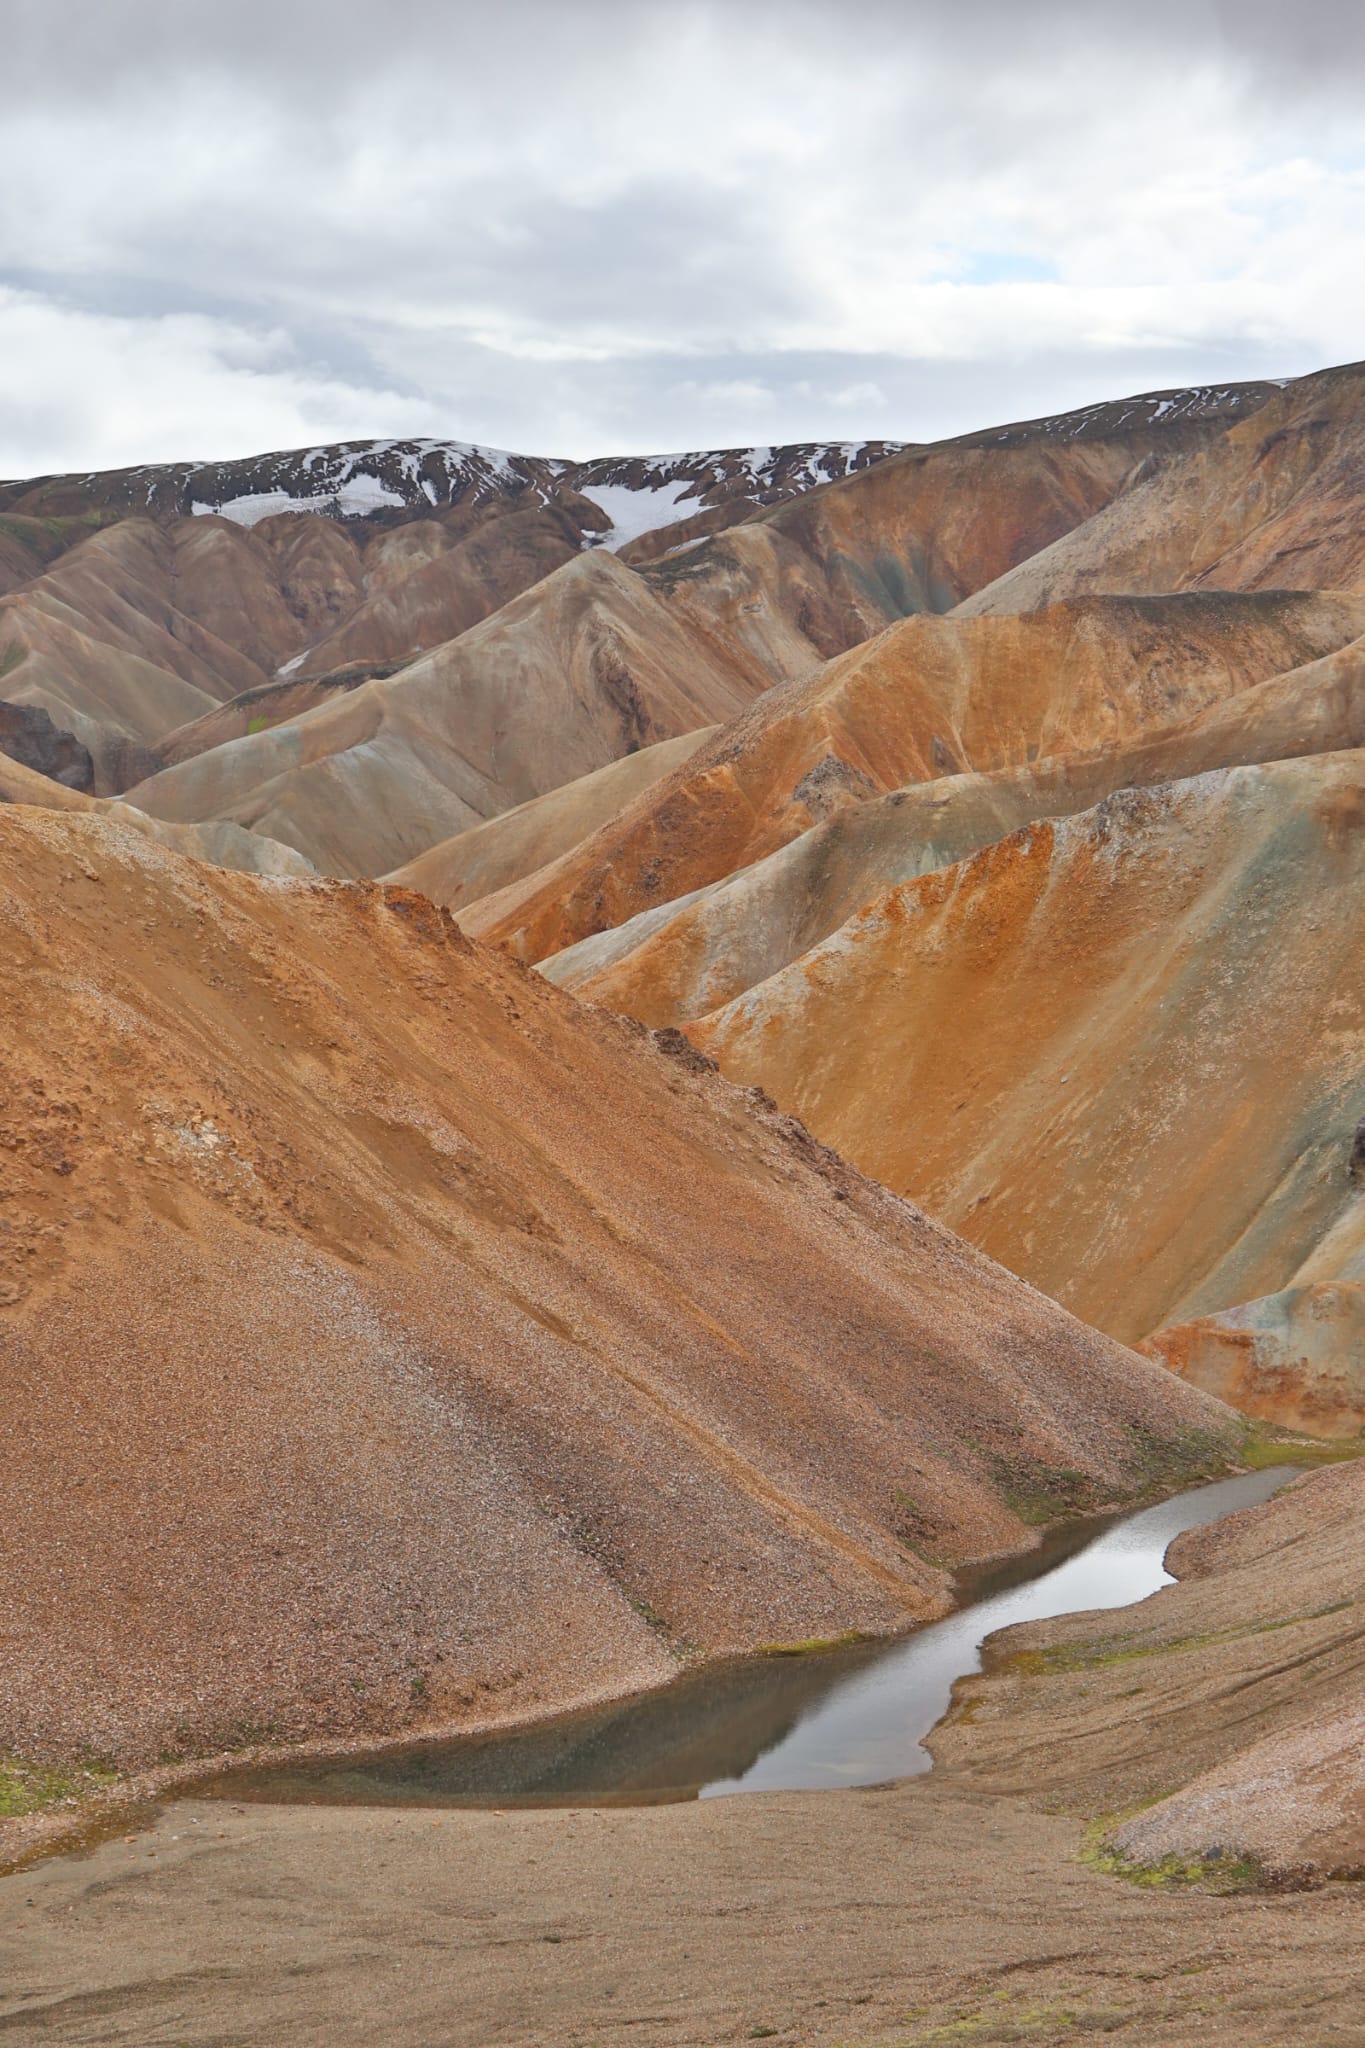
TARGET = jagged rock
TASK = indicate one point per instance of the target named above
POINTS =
(28, 735)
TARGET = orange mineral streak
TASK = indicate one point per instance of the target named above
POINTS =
(1296, 1358)
(390, 1341)
(706, 949)
(928, 699)
(1122, 1052)
(1272, 504)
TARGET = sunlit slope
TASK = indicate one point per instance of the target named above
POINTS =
(1122, 1051)
(693, 955)
(929, 698)
(390, 1341)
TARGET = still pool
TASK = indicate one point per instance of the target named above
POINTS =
(851, 1716)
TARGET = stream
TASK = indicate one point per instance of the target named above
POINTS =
(855, 1715)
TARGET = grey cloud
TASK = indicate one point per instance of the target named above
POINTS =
(573, 226)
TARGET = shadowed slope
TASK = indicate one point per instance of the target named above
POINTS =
(139, 629)
(389, 1340)
(936, 523)
(516, 843)
(667, 965)
(584, 669)
(1275, 503)
(224, 846)
(928, 698)
(1122, 1052)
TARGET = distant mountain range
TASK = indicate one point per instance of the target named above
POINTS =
(453, 900)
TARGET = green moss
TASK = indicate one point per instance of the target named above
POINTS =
(10, 658)
(1003, 2018)
(49, 537)
(1039, 1494)
(1265, 1445)
(31, 1788)
(260, 723)
(1093, 1657)
(915, 1530)
(812, 1645)
(1163, 1463)
(1219, 1871)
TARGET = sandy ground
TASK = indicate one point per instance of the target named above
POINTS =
(954, 1907)
(914, 1914)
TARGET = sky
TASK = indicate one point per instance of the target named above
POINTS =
(593, 228)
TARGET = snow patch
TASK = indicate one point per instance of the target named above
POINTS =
(634, 510)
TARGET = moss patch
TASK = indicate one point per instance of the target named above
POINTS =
(1219, 1871)
(812, 1645)
(1264, 1446)
(31, 1788)
(1094, 1656)
(1165, 1463)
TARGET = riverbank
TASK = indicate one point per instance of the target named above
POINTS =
(87, 1805)
(966, 1905)
(918, 1914)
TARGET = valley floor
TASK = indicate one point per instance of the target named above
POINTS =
(915, 1914)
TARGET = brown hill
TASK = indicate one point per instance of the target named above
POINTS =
(929, 698)
(372, 553)
(515, 844)
(390, 1341)
(586, 668)
(925, 528)
(1121, 1051)
(667, 965)
(1272, 504)
(137, 629)
(126, 587)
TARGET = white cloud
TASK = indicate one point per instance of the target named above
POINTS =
(628, 227)
(99, 391)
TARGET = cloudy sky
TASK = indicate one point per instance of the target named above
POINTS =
(587, 227)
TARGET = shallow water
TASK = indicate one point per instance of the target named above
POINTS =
(854, 1716)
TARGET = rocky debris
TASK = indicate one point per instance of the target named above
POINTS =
(29, 736)
(1214, 1732)
(392, 1342)
(1290, 1809)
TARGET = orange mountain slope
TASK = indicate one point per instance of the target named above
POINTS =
(1122, 1051)
(667, 965)
(371, 1361)
(928, 698)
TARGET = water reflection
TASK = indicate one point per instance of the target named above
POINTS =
(853, 1716)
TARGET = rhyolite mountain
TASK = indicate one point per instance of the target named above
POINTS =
(395, 1337)
(152, 612)
(391, 1340)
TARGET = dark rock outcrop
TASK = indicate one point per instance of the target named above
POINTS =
(29, 736)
